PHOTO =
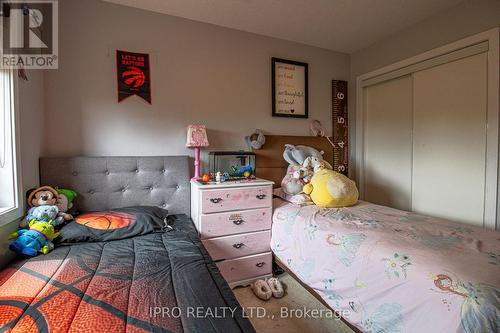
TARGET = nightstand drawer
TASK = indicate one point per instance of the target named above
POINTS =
(224, 224)
(238, 245)
(246, 267)
(222, 200)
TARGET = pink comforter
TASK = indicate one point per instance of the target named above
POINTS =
(393, 271)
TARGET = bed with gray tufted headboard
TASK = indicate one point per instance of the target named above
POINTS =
(113, 182)
(121, 283)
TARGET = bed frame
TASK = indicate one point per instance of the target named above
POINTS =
(113, 182)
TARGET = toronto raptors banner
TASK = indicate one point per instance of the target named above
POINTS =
(134, 77)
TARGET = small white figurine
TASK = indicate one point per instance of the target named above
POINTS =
(218, 177)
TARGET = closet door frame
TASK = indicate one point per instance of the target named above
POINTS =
(488, 41)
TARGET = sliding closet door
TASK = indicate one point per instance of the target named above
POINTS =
(450, 108)
(388, 143)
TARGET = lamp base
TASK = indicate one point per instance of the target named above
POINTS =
(196, 164)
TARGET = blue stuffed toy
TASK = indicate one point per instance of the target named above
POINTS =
(37, 239)
(45, 213)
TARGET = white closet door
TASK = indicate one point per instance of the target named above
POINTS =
(388, 143)
(450, 108)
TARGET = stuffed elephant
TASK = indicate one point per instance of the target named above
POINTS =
(296, 155)
(293, 182)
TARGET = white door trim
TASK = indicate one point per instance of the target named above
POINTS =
(492, 37)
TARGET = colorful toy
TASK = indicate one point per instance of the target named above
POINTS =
(44, 195)
(292, 183)
(224, 177)
(205, 178)
(44, 213)
(330, 189)
(37, 239)
(245, 171)
(45, 202)
(296, 175)
(65, 201)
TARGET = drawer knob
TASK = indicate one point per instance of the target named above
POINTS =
(238, 246)
(261, 196)
(260, 264)
(215, 200)
(238, 222)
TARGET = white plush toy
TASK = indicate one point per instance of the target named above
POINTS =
(315, 164)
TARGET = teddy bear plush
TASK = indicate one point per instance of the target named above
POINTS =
(38, 239)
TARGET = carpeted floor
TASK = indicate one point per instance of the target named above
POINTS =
(296, 298)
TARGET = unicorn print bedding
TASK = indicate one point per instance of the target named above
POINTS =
(391, 270)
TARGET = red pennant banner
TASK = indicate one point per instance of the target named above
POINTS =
(134, 76)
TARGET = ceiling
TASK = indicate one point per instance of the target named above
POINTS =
(339, 25)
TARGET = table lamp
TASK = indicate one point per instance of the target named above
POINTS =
(196, 138)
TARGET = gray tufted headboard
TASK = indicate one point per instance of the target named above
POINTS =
(113, 182)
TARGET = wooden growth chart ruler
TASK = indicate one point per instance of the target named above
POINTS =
(340, 127)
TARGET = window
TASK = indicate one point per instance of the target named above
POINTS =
(10, 203)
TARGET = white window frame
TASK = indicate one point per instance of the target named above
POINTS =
(17, 211)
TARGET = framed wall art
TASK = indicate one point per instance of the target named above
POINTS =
(134, 75)
(290, 88)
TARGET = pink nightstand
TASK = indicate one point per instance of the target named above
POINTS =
(234, 223)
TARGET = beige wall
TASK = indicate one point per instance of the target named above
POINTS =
(31, 102)
(468, 18)
(200, 74)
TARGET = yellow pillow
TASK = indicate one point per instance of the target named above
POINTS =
(330, 189)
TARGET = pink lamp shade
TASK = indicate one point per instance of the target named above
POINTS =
(196, 138)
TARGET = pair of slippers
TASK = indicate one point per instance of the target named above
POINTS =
(265, 289)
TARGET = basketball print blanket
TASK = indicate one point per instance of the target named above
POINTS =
(154, 282)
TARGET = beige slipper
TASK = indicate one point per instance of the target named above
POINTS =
(276, 287)
(262, 290)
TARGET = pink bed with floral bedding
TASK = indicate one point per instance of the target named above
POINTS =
(391, 270)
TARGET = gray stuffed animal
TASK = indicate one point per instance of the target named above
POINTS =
(296, 155)
(293, 181)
